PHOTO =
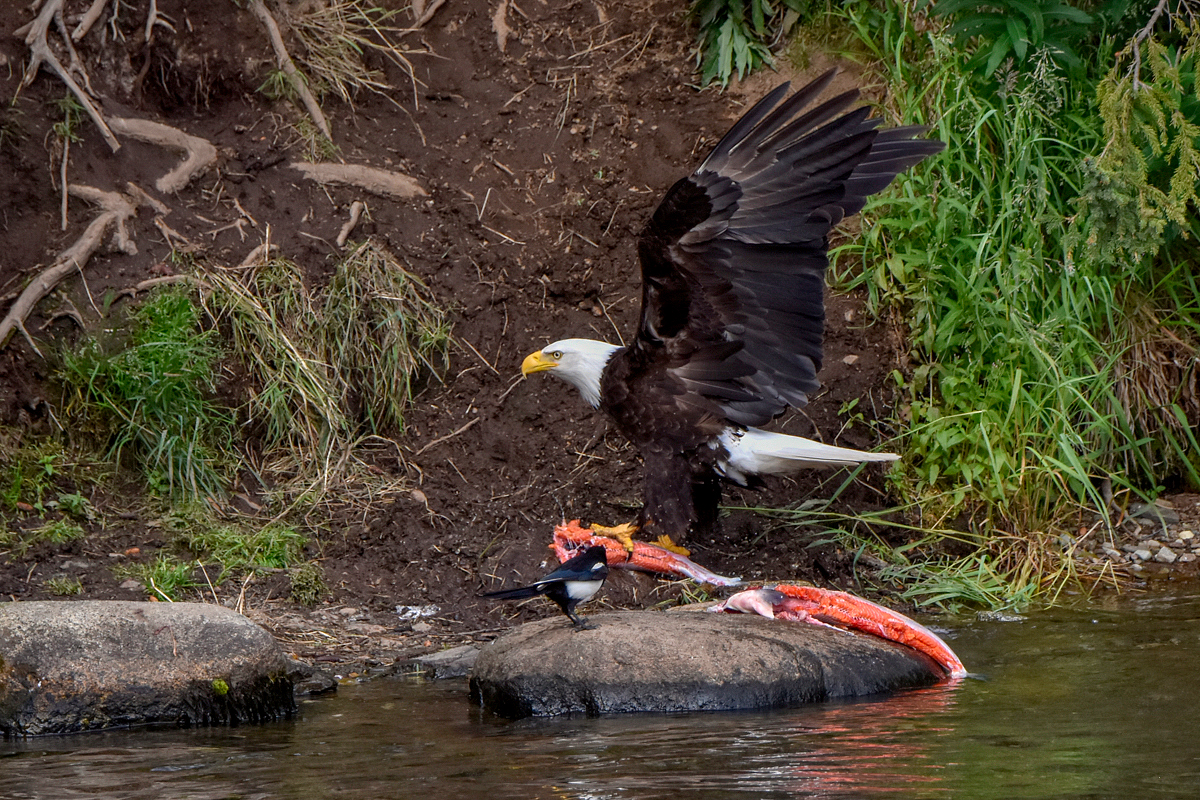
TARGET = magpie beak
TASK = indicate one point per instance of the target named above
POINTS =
(571, 584)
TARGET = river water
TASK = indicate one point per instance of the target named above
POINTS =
(1100, 701)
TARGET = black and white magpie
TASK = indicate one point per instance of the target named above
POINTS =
(571, 584)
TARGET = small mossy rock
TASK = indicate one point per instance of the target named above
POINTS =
(654, 661)
(74, 666)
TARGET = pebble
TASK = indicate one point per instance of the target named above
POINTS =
(1142, 554)
(1165, 555)
(1187, 558)
(1186, 535)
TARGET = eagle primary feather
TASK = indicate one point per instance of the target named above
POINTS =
(732, 318)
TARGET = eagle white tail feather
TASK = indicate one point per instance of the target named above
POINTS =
(756, 452)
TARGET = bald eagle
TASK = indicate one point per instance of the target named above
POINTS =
(732, 315)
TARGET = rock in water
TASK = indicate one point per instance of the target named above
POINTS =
(654, 661)
(73, 666)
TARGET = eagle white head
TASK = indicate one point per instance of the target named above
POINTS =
(579, 362)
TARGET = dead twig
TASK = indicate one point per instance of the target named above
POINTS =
(66, 155)
(479, 355)
(289, 68)
(40, 53)
(201, 153)
(115, 210)
(448, 437)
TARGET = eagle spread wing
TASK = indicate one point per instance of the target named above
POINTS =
(733, 259)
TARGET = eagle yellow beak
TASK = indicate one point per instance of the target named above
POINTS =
(537, 362)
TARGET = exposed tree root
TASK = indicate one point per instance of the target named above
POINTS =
(500, 25)
(424, 13)
(356, 210)
(89, 19)
(200, 152)
(289, 68)
(162, 280)
(115, 210)
(40, 53)
(379, 181)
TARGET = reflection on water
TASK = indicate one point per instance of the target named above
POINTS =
(1089, 703)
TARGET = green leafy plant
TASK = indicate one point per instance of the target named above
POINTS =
(734, 34)
(152, 394)
(1049, 358)
(59, 532)
(308, 584)
(67, 128)
(1017, 29)
(75, 505)
(29, 473)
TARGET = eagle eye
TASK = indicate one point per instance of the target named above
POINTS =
(556, 355)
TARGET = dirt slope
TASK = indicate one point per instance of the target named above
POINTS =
(542, 153)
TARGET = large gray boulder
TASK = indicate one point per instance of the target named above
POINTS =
(74, 666)
(655, 661)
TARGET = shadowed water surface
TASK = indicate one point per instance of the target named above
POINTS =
(1087, 703)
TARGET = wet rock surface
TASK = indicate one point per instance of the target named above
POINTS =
(655, 661)
(75, 666)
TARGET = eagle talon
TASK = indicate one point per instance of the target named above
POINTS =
(623, 533)
(666, 544)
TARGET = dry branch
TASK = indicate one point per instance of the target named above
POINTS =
(200, 152)
(373, 179)
(40, 53)
(289, 68)
(115, 209)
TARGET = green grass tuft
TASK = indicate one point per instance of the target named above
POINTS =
(166, 577)
(329, 369)
(151, 394)
(63, 586)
